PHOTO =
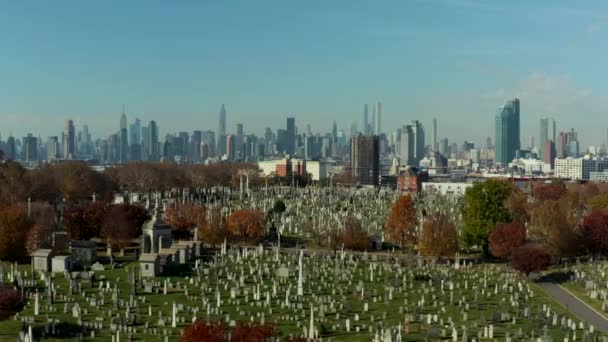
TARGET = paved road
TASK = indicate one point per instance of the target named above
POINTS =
(574, 305)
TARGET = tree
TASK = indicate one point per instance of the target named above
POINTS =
(484, 207)
(505, 238)
(246, 224)
(14, 226)
(401, 225)
(213, 230)
(184, 217)
(123, 223)
(530, 258)
(76, 181)
(40, 234)
(353, 236)
(598, 202)
(554, 224)
(85, 223)
(595, 231)
(201, 331)
(13, 183)
(544, 192)
(279, 206)
(250, 332)
(438, 237)
(518, 207)
(10, 302)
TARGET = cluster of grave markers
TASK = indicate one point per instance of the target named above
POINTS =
(305, 294)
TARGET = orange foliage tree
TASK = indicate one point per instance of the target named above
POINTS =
(247, 332)
(123, 223)
(14, 226)
(353, 236)
(39, 235)
(246, 224)
(505, 238)
(438, 237)
(401, 226)
(213, 229)
(185, 216)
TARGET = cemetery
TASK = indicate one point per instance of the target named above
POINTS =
(311, 263)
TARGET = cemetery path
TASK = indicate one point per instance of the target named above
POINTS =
(575, 306)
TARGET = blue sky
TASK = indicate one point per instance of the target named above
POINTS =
(177, 61)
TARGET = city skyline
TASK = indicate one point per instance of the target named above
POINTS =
(272, 66)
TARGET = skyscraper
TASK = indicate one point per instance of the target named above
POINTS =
(547, 132)
(221, 132)
(412, 143)
(290, 139)
(52, 148)
(507, 132)
(123, 137)
(549, 153)
(378, 119)
(29, 150)
(561, 145)
(365, 128)
(153, 144)
(69, 142)
(11, 150)
(365, 159)
(238, 142)
(434, 135)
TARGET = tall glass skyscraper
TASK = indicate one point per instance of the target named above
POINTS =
(507, 132)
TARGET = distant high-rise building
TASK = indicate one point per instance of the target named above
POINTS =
(52, 148)
(434, 146)
(123, 139)
(378, 119)
(11, 149)
(561, 145)
(549, 153)
(195, 146)
(365, 159)
(507, 132)
(334, 132)
(239, 140)
(412, 143)
(444, 147)
(135, 132)
(29, 151)
(547, 132)
(69, 143)
(209, 138)
(365, 128)
(230, 147)
(145, 142)
(153, 144)
(290, 138)
(221, 133)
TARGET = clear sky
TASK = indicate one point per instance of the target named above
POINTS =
(177, 61)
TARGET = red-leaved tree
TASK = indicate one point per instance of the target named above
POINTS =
(530, 258)
(353, 236)
(184, 217)
(123, 223)
(595, 231)
(202, 331)
(246, 332)
(505, 238)
(545, 192)
(10, 302)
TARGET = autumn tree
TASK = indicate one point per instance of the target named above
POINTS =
(40, 234)
(246, 224)
(544, 192)
(14, 226)
(76, 181)
(201, 331)
(138, 176)
(484, 207)
(352, 236)
(184, 217)
(14, 187)
(505, 238)
(213, 230)
(554, 223)
(518, 206)
(85, 223)
(598, 202)
(530, 258)
(123, 223)
(595, 231)
(251, 332)
(402, 222)
(10, 302)
(438, 237)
